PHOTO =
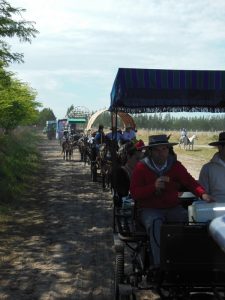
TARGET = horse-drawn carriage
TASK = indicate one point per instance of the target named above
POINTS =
(100, 156)
(192, 265)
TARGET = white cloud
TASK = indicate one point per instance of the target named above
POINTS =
(82, 43)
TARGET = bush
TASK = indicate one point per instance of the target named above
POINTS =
(19, 159)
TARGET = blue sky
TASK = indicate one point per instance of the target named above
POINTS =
(82, 43)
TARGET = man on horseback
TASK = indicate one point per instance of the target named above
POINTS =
(183, 133)
(184, 138)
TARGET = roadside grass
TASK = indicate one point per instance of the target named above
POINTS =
(19, 161)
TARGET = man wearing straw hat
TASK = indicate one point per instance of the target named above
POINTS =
(155, 184)
(212, 174)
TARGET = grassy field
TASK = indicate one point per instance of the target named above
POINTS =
(203, 137)
(201, 151)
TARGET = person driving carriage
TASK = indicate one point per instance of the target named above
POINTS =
(100, 135)
(155, 186)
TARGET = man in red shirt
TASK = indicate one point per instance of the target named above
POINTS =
(155, 185)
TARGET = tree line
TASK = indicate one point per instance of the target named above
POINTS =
(19, 156)
(159, 121)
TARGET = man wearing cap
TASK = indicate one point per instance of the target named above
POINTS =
(155, 184)
(212, 174)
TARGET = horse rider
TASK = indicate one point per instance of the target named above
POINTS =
(183, 132)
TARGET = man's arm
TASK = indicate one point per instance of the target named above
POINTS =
(204, 177)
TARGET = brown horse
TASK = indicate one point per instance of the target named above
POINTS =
(67, 149)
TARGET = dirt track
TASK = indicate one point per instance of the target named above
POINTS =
(59, 244)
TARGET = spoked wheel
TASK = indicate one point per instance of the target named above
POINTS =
(120, 278)
(119, 273)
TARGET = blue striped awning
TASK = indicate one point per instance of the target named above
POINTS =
(156, 90)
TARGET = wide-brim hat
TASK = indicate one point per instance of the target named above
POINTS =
(158, 140)
(221, 140)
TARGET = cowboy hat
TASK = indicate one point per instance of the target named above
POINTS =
(158, 140)
(221, 140)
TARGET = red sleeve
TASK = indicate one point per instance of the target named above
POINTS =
(186, 179)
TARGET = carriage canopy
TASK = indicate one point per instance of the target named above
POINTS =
(125, 117)
(158, 90)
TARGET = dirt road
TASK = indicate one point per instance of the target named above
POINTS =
(59, 244)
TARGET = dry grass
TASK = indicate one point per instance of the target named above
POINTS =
(203, 137)
(201, 152)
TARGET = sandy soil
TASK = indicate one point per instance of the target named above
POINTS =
(60, 243)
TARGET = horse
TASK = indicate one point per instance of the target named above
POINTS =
(67, 149)
(188, 142)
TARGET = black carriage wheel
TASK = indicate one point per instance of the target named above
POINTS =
(118, 273)
(119, 277)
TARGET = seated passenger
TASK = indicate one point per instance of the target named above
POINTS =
(129, 134)
(133, 154)
(212, 174)
(114, 134)
(155, 185)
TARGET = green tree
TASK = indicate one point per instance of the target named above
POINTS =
(45, 114)
(11, 26)
(17, 106)
(5, 77)
(69, 110)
